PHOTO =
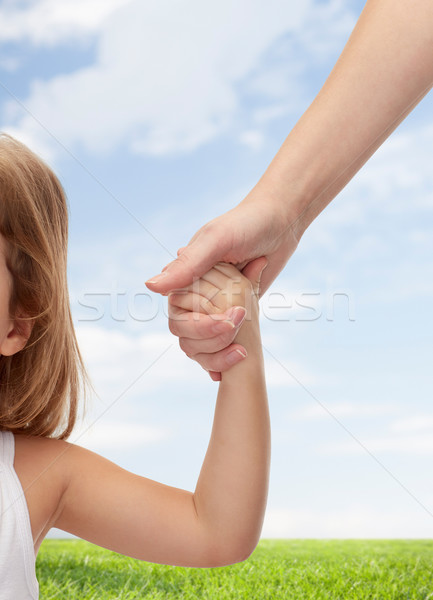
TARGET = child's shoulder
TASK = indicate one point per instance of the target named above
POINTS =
(37, 456)
(44, 467)
(42, 461)
(60, 479)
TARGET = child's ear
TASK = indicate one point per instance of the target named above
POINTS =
(17, 336)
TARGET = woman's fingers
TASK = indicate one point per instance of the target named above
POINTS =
(183, 323)
(223, 360)
(207, 247)
(214, 375)
(208, 339)
(192, 347)
(205, 333)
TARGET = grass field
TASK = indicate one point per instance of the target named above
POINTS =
(297, 569)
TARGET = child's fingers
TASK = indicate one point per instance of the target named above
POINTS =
(193, 302)
(223, 285)
(227, 269)
(219, 276)
(202, 287)
(207, 287)
(199, 326)
(221, 273)
(223, 290)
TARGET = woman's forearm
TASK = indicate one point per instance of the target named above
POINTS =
(383, 72)
(231, 492)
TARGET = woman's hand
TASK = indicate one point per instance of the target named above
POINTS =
(258, 226)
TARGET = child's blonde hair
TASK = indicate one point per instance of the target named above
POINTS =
(40, 385)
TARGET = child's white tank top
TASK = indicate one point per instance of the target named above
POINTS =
(17, 559)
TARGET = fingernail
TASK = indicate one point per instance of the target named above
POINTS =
(157, 278)
(235, 357)
(237, 315)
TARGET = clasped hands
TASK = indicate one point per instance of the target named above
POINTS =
(219, 302)
(258, 232)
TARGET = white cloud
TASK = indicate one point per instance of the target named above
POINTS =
(273, 111)
(344, 409)
(169, 76)
(401, 435)
(414, 424)
(286, 372)
(102, 437)
(9, 63)
(49, 22)
(131, 372)
(395, 184)
(252, 139)
(133, 257)
(400, 175)
(356, 521)
(419, 444)
(131, 364)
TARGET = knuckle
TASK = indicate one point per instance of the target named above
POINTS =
(172, 326)
(216, 362)
(201, 330)
(182, 344)
(210, 228)
(184, 258)
(185, 347)
(184, 350)
(222, 340)
(207, 362)
(221, 365)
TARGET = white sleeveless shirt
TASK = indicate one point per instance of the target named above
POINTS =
(17, 558)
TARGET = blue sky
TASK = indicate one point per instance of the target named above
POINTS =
(158, 116)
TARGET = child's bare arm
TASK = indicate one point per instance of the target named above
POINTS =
(232, 487)
(218, 524)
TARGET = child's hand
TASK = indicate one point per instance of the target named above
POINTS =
(221, 288)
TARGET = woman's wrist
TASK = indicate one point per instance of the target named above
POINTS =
(296, 181)
(283, 195)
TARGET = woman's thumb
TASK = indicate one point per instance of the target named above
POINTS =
(192, 262)
(253, 271)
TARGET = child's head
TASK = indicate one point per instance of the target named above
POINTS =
(41, 369)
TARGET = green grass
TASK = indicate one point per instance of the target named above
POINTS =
(298, 569)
